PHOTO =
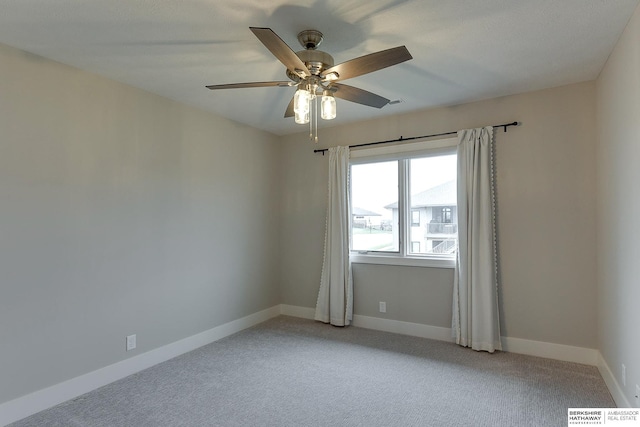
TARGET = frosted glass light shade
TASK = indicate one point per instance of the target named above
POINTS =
(328, 107)
(301, 118)
(301, 102)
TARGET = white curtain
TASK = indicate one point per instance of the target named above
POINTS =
(335, 299)
(476, 321)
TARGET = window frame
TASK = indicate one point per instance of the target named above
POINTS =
(403, 153)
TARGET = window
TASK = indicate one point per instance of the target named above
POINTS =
(415, 217)
(404, 206)
(446, 215)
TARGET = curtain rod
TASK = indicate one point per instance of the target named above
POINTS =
(505, 126)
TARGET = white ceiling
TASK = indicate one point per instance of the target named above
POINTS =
(463, 50)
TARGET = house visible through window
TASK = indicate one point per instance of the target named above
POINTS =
(405, 207)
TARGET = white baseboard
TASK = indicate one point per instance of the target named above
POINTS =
(567, 353)
(297, 311)
(378, 324)
(40, 400)
(586, 356)
(404, 328)
(612, 384)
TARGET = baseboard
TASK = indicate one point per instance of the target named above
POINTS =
(404, 328)
(297, 311)
(40, 400)
(586, 356)
(378, 324)
(567, 353)
(612, 383)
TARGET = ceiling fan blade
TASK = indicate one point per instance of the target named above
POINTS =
(251, 84)
(280, 50)
(360, 96)
(367, 64)
(289, 111)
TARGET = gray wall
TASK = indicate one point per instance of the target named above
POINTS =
(619, 209)
(412, 294)
(122, 212)
(548, 256)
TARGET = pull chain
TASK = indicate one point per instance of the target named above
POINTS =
(313, 119)
(315, 113)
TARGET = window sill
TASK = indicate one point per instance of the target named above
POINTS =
(406, 261)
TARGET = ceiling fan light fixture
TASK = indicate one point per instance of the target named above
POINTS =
(328, 106)
(301, 102)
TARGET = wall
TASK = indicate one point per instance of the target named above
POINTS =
(546, 224)
(618, 106)
(122, 212)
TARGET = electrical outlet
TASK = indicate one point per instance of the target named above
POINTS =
(131, 342)
(624, 375)
(383, 307)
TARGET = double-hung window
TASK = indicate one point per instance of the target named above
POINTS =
(403, 204)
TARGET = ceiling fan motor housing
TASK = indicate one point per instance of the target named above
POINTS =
(316, 60)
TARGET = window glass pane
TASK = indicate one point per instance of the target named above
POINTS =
(432, 184)
(374, 194)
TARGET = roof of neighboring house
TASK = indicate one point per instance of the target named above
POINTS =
(363, 212)
(440, 195)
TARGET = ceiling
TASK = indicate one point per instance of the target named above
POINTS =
(462, 50)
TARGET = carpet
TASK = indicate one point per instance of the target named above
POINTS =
(297, 372)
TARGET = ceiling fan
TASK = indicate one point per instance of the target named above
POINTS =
(313, 71)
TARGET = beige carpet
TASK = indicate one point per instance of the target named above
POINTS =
(295, 372)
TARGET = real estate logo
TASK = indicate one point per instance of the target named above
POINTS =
(603, 416)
